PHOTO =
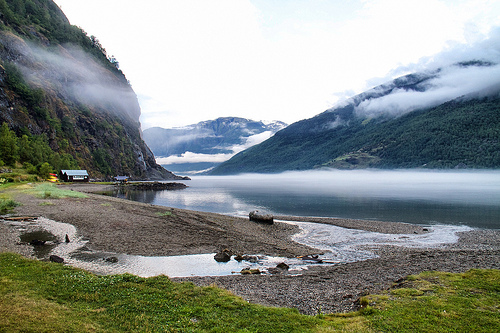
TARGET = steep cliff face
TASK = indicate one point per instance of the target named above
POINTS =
(57, 84)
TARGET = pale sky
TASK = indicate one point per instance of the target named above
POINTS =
(195, 60)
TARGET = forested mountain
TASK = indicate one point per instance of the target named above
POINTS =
(202, 146)
(395, 125)
(63, 100)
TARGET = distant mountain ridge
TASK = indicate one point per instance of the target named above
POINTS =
(410, 122)
(205, 144)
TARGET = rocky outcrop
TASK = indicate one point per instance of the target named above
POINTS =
(155, 186)
(56, 259)
(58, 83)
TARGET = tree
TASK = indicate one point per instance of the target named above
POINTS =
(8, 145)
(45, 170)
(25, 149)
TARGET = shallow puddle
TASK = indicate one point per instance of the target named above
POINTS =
(174, 266)
(76, 253)
(43, 242)
(340, 245)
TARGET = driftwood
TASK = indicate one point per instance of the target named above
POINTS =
(19, 218)
(311, 257)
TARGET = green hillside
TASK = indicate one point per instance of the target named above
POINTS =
(459, 133)
(63, 100)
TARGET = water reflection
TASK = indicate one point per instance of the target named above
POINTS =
(424, 197)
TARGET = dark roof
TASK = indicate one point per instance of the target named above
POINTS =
(75, 172)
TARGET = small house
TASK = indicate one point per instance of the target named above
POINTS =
(74, 175)
(121, 179)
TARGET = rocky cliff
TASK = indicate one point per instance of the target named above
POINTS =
(58, 86)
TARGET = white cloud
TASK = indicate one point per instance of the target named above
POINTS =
(190, 157)
(252, 140)
(194, 60)
(74, 74)
(450, 82)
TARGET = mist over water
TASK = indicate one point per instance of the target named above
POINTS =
(469, 198)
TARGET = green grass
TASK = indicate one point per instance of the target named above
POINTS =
(440, 302)
(6, 202)
(46, 297)
(41, 296)
(46, 203)
(6, 205)
(167, 213)
(51, 191)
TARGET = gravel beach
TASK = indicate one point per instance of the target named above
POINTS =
(122, 226)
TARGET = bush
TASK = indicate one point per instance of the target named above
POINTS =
(45, 170)
(7, 205)
(30, 168)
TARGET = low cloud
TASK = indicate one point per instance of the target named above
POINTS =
(75, 75)
(189, 157)
(460, 71)
(184, 138)
(252, 141)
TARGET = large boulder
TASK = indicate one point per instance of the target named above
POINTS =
(259, 217)
(223, 256)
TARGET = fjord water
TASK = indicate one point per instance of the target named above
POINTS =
(425, 197)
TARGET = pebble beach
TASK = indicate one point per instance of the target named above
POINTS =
(121, 226)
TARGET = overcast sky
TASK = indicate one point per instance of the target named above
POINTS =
(195, 60)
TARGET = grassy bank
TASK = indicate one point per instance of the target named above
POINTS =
(439, 302)
(46, 297)
(41, 190)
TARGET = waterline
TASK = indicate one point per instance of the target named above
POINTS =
(413, 196)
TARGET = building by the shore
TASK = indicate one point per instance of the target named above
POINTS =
(74, 175)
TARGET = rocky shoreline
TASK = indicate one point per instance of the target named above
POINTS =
(153, 186)
(121, 226)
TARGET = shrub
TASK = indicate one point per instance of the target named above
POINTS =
(30, 168)
(7, 205)
(45, 170)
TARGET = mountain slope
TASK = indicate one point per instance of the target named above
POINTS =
(60, 91)
(203, 145)
(463, 132)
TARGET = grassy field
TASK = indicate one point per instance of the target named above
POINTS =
(50, 190)
(40, 296)
(42, 190)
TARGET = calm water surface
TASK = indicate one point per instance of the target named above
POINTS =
(469, 198)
